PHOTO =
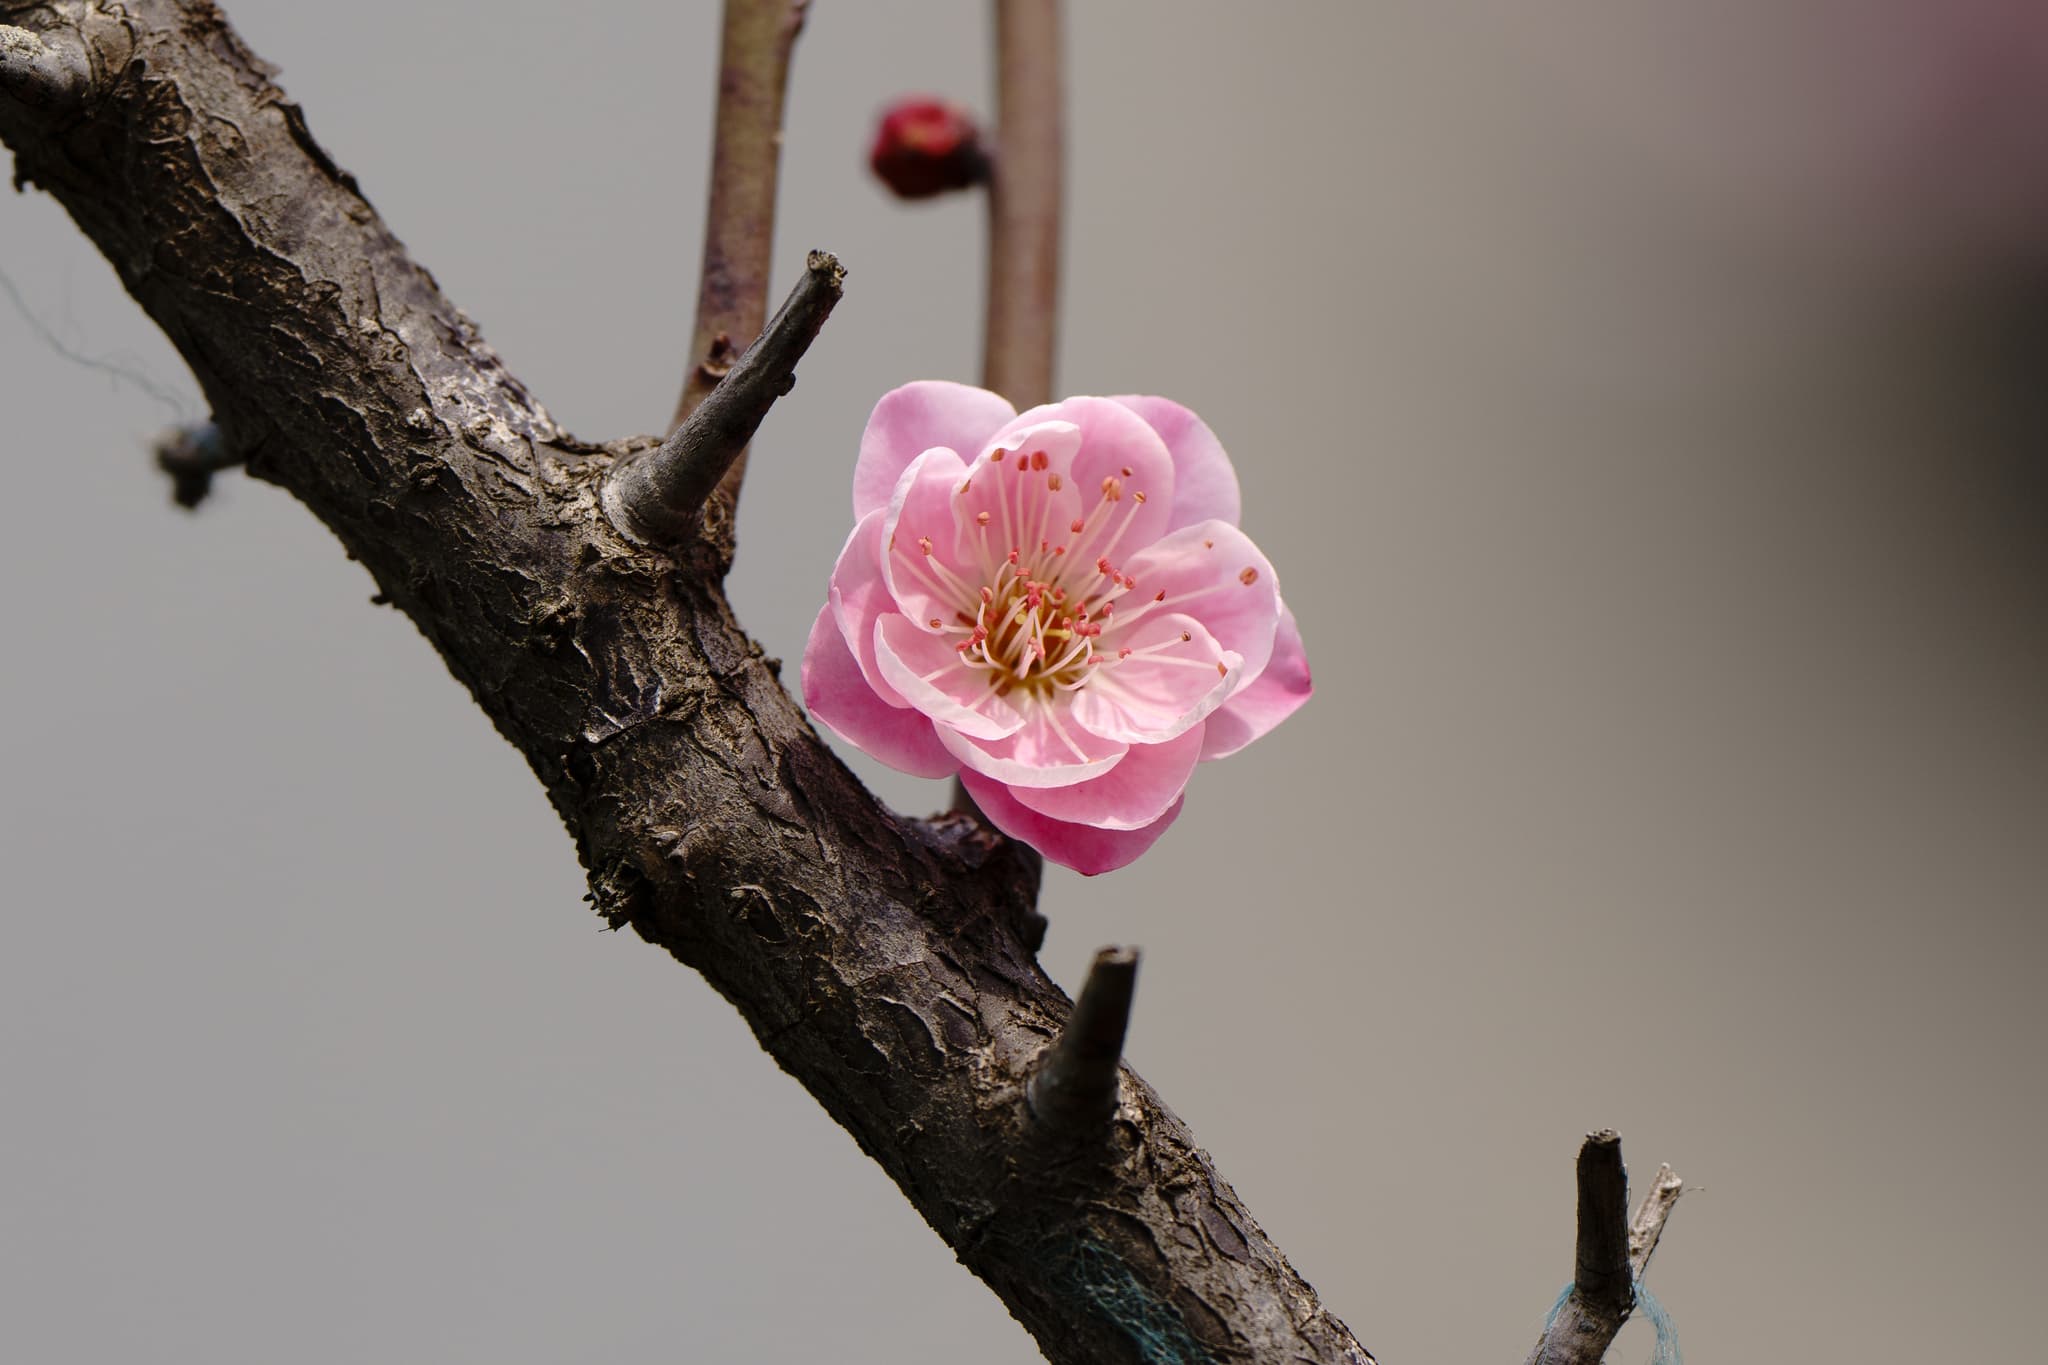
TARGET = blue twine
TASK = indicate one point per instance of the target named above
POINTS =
(1667, 1335)
(111, 367)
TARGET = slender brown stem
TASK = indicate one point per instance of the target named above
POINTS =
(655, 497)
(739, 223)
(1024, 203)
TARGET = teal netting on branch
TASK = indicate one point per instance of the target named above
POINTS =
(1666, 1352)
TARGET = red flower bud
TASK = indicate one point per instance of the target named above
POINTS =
(925, 147)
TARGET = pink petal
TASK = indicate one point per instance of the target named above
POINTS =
(1112, 439)
(911, 420)
(1133, 794)
(1204, 483)
(1049, 750)
(1174, 675)
(859, 595)
(920, 558)
(1203, 571)
(1084, 848)
(928, 673)
(840, 699)
(1266, 700)
(1024, 506)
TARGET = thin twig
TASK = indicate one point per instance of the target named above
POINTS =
(756, 41)
(1648, 1224)
(1024, 203)
(1074, 1091)
(655, 498)
(1613, 1252)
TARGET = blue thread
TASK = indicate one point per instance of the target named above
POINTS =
(135, 378)
(1666, 1352)
(1091, 1272)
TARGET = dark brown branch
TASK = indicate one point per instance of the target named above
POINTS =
(46, 71)
(877, 959)
(756, 40)
(1613, 1252)
(1074, 1091)
(1602, 1277)
(1024, 203)
(192, 456)
(655, 498)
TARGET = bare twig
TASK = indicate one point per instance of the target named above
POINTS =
(1074, 1090)
(655, 498)
(1024, 203)
(192, 456)
(1648, 1224)
(1613, 1251)
(756, 41)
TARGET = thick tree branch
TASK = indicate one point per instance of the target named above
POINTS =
(655, 497)
(1025, 192)
(756, 40)
(877, 959)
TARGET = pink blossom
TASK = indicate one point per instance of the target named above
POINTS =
(1056, 605)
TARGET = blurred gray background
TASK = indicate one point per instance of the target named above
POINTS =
(1641, 404)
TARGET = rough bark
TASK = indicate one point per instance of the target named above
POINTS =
(879, 960)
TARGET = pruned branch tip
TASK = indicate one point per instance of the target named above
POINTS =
(1076, 1086)
(1601, 1276)
(1613, 1250)
(655, 498)
(42, 71)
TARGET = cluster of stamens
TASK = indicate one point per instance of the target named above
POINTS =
(1042, 605)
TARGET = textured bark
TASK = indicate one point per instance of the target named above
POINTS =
(883, 962)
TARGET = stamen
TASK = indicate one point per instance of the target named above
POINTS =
(1053, 482)
(1249, 576)
(981, 518)
(1038, 460)
(996, 456)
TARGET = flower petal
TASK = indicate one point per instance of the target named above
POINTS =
(1204, 483)
(920, 560)
(929, 673)
(1048, 750)
(840, 699)
(1266, 700)
(911, 420)
(1084, 848)
(1212, 572)
(859, 595)
(1113, 439)
(1160, 679)
(1133, 794)
(1025, 507)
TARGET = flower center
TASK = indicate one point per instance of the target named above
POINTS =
(1034, 622)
